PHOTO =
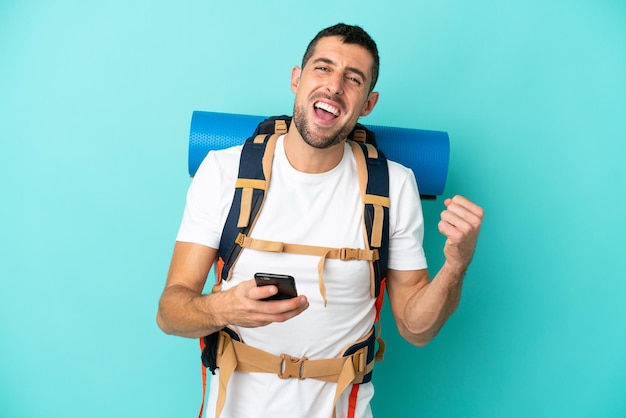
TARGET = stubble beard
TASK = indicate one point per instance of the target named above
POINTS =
(332, 139)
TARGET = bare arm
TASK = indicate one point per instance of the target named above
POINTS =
(185, 311)
(421, 306)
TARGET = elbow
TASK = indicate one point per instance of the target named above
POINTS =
(165, 317)
(421, 342)
(426, 326)
(420, 334)
(418, 339)
(162, 323)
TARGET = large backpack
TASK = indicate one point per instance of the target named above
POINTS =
(250, 189)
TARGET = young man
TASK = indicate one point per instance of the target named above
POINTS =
(313, 199)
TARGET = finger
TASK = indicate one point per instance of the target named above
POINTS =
(252, 291)
(451, 231)
(297, 304)
(281, 310)
(460, 210)
(262, 292)
(458, 220)
(465, 205)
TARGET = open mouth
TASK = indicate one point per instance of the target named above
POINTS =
(326, 111)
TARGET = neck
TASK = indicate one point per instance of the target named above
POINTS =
(307, 159)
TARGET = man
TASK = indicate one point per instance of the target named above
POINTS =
(313, 199)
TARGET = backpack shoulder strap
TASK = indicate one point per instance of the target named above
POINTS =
(373, 175)
(255, 167)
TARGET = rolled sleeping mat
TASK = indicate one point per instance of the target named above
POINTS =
(425, 152)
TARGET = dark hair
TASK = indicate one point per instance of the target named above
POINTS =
(349, 34)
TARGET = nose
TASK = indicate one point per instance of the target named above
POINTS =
(335, 84)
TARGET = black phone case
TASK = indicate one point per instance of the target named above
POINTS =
(286, 285)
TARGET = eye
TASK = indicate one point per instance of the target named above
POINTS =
(354, 80)
(322, 68)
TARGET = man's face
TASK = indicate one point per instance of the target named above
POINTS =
(332, 91)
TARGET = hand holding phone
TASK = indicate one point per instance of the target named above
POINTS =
(286, 285)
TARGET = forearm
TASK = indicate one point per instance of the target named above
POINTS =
(429, 304)
(185, 313)
(429, 307)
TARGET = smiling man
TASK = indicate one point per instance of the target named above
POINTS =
(299, 357)
(333, 89)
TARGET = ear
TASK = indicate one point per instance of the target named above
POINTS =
(369, 104)
(295, 78)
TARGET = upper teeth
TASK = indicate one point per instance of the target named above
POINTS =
(327, 108)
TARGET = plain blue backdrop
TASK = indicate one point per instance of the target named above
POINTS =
(95, 103)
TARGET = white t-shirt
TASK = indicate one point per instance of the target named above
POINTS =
(314, 209)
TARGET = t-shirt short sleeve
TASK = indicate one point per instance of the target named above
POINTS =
(406, 221)
(209, 198)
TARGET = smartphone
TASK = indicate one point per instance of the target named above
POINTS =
(286, 285)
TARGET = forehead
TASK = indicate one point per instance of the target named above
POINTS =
(350, 55)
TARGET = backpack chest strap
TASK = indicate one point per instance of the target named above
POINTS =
(344, 254)
(327, 252)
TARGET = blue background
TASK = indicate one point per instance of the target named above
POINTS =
(95, 104)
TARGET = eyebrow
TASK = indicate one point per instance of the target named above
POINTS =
(331, 62)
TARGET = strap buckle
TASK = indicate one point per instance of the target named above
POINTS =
(291, 367)
(349, 254)
(240, 239)
(359, 360)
